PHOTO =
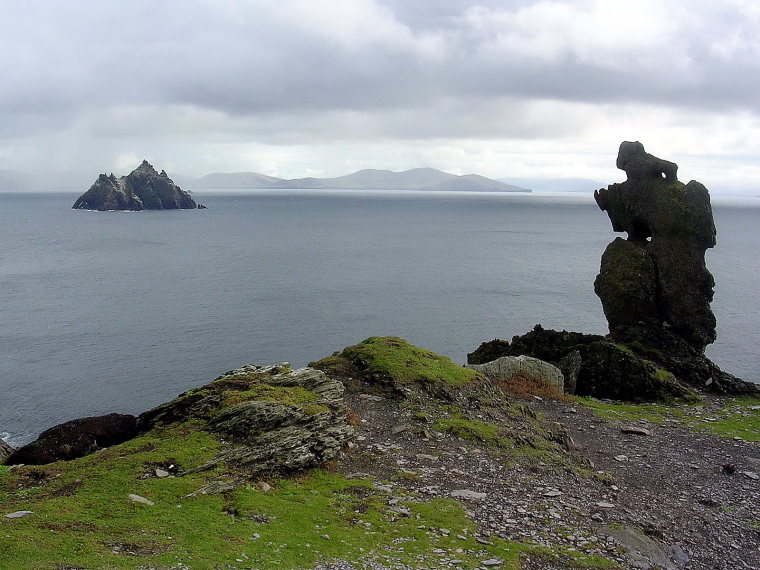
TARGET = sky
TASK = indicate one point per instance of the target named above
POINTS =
(294, 88)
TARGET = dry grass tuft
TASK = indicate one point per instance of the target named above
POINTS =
(525, 386)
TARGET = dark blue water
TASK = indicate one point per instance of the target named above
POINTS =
(120, 311)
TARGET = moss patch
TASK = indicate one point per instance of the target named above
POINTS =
(84, 518)
(730, 417)
(473, 430)
(393, 361)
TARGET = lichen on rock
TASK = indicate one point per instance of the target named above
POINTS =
(277, 420)
(507, 367)
(599, 366)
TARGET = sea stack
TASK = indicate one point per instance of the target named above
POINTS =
(143, 189)
(654, 286)
(655, 291)
(656, 280)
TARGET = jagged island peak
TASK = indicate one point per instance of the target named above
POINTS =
(142, 189)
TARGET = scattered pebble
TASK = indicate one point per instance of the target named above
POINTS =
(468, 495)
(636, 430)
(19, 514)
(139, 499)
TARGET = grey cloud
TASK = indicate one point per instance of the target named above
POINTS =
(256, 60)
(280, 72)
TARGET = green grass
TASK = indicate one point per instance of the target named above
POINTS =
(83, 518)
(733, 418)
(289, 395)
(394, 360)
(655, 413)
(474, 430)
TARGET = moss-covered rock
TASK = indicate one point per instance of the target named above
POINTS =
(393, 363)
(279, 420)
(659, 277)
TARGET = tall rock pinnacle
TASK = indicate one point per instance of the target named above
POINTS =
(657, 278)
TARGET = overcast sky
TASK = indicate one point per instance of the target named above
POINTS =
(326, 87)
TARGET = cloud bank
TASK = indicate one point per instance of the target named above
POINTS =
(323, 87)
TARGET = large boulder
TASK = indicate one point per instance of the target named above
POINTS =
(75, 438)
(508, 367)
(654, 286)
(143, 189)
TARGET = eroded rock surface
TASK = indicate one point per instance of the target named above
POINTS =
(278, 420)
(657, 277)
(143, 189)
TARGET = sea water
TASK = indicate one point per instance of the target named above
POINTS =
(120, 311)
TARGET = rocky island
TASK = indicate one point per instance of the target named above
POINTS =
(143, 189)
(387, 456)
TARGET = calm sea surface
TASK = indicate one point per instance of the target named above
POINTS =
(120, 311)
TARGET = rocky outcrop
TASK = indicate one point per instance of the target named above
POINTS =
(143, 189)
(75, 438)
(655, 291)
(278, 420)
(274, 420)
(598, 366)
(654, 286)
(507, 367)
(657, 277)
(5, 450)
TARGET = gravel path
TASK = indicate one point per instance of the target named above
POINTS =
(666, 500)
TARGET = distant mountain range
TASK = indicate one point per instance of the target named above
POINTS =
(369, 179)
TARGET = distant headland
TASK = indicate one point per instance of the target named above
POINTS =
(143, 189)
(427, 179)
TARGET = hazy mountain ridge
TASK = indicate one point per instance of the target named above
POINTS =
(368, 179)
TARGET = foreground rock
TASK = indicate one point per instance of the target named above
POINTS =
(75, 438)
(274, 420)
(143, 189)
(5, 450)
(278, 420)
(508, 367)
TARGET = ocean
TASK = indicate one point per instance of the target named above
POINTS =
(119, 311)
